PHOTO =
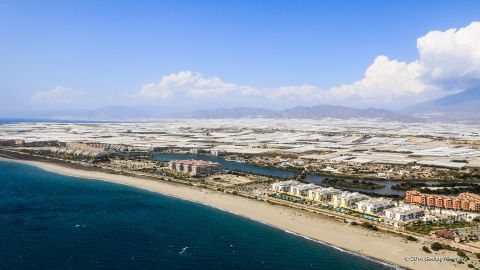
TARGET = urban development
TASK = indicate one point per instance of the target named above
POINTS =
(419, 181)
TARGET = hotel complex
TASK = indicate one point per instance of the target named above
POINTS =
(194, 167)
(396, 214)
(333, 197)
(464, 201)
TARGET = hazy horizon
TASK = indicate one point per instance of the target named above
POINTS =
(183, 56)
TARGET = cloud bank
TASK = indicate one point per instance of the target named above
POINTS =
(448, 62)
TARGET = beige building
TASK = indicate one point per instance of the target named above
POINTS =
(194, 167)
(322, 194)
(348, 199)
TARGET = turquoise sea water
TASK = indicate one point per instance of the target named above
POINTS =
(51, 221)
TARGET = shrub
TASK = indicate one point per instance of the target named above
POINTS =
(447, 247)
(470, 265)
(462, 254)
(436, 246)
(411, 238)
(355, 223)
(370, 226)
(478, 255)
(425, 248)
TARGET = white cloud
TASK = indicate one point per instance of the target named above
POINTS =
(385, 80)
(448, 61)
(56, 96)
(451, 58)
(192, 85)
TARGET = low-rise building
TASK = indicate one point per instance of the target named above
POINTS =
(302, 189)
(197, 150)
(347, 199)
(217, 152)
(374, 205)
(401, 214)
(322, 194)
(284, 186)
(452, 215)
(90, 147)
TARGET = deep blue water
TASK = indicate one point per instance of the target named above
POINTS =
(229, 165)
(51, 221)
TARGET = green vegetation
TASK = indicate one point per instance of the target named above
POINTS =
(164, 172)
(462, 254)
(411, 238)
(351, 183)
(452, 187)
(426, 249)
(436, 246)
(63, 156)
(470, 265)
(369, 226)
(425, 227)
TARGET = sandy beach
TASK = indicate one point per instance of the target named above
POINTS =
(381, 246)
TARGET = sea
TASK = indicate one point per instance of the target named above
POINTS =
(51, 221)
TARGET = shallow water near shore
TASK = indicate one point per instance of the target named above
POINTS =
(52, 221)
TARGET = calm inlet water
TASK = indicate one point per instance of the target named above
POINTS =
(253, 169)
(51, 221)
(229, 165)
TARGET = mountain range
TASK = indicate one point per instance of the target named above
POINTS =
(300, 112)
(463, 106)
(146, 113)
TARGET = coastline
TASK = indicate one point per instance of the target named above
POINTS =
(379, 246)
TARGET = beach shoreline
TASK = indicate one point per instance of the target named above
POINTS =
(379, 246)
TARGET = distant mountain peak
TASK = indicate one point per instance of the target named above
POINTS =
(301, 112)
(463, 106)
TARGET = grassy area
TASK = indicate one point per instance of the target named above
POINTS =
(351, 183)
(425, 227)
(164, 172)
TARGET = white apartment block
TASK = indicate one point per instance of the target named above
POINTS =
(374, 205)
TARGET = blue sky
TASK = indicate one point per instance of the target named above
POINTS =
(101, 53)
